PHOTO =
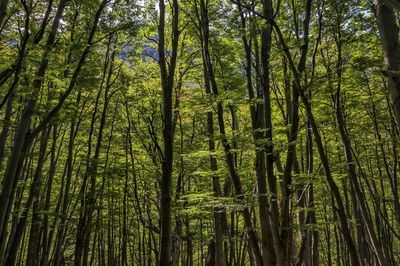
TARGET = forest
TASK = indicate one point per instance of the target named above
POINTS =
(199, 132)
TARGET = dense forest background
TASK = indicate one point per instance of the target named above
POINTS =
(199, 132)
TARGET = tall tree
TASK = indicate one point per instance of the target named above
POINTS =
(167, 74)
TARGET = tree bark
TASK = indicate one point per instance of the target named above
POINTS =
(167, 85)
(389, 33)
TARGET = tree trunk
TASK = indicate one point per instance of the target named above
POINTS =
(389, 33)
(167, 84)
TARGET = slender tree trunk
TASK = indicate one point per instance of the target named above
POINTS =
(46, 243)
(389, 33)
(167, 84)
